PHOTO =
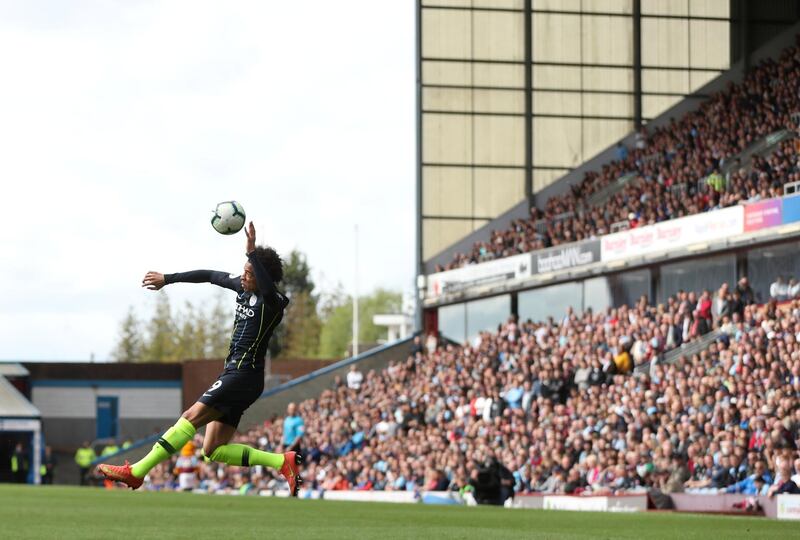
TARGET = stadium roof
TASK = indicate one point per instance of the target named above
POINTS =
(13, 369)
(13, 404)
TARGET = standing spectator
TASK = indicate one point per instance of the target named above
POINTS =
(109, 449)
(293, 428)
(431, 343)
(48, 465)
(19, 464)
(746, 291)
(83, 458)
(354, 378)
(779, 290)
(621, 151)
(716, 181)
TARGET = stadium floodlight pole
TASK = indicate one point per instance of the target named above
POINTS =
(355, 297)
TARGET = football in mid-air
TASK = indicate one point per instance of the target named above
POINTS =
(228, 217)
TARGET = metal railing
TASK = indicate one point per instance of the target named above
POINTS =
(686, 349)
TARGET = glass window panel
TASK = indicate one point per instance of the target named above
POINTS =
(608, 105)
(487, 314)
(447, 138)
(499, 140)
(556, 102)
(500, 75)
(557, 142)
(600, 134)
(764, 265)
(500, 101)
(496, 4)
(446, 33)
(616, 290)
(498, 35)
(710, 8)
(478, 223)
(497, 190)
(698, 79)
(628, 287)
(710, 44)
(665, 42)
(453, 322)
(596, 78)
(539, 304)
(607, 40)
(696, 275)
(665, 80)
(468, 100)
(556, 38)
(455, 73)
(665, 7)
(557, 77)
(438, 234)
(607, 6)
(597, 294)
(447, 191)
(447, 99)
(544, 177)
(557, 5)
(652, 106)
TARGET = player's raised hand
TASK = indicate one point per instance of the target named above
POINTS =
(250, 231)
(153, 281)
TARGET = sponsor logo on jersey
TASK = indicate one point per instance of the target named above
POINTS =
(244, 311)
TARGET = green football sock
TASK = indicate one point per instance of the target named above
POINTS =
(169, 443)
(245, 456)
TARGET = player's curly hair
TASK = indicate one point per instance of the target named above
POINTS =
(272, 262)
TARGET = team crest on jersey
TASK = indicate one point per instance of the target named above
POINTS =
(253, 300)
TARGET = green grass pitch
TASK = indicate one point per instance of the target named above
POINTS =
(70, 512)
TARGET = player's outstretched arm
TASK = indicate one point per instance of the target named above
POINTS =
(156, 280)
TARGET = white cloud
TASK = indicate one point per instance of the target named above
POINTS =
(124, 123)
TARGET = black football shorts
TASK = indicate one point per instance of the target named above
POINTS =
(232, 393)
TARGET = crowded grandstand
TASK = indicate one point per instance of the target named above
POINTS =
(556, 407)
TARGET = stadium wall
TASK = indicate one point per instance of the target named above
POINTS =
(69, 408)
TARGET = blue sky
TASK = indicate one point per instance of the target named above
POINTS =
(124, 123)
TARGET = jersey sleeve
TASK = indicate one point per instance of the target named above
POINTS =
(220, 279)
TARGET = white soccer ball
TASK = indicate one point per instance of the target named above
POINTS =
(228, 217)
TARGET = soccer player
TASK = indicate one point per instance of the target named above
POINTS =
(259, 309)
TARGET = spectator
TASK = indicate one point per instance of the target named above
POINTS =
(48, 465)
(19, 464)
(293, 428)
(794, 289)
(779, 290)
(84, 457)
(354, 378)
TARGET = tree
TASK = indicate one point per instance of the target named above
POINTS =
(162, 342)
(298, 334)
(337, 327)
(220, 326)
(131, 341)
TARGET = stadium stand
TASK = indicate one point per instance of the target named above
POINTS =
(558, 405)
(738, 147)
